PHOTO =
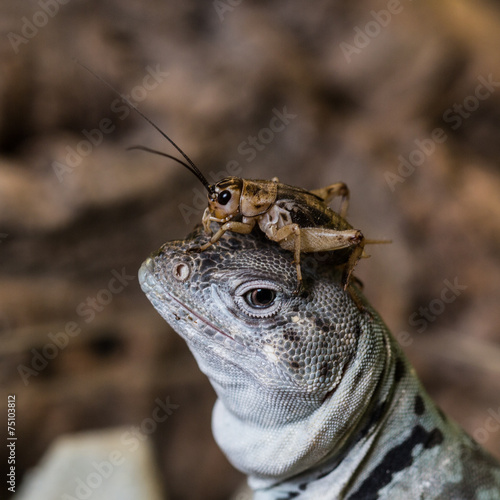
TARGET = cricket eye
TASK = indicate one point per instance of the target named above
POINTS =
(260, 298)
(224, 197)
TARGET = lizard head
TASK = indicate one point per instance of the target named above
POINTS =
(258, 342)
(284, 365)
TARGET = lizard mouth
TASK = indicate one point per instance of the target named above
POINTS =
(157, 293)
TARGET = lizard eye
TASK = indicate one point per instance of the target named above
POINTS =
(260, 297)
(224, 197)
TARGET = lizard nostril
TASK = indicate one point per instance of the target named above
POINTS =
(181, 271)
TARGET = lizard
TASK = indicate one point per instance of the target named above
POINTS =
(315, 398)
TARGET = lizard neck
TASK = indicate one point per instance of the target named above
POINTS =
(311, 435)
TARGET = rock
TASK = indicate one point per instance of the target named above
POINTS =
(100, 465)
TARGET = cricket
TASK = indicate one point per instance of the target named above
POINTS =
(299, 220)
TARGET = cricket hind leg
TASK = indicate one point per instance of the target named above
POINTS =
(358, 253)
(323, 240)
(352, 261)
(328, 193)
(289, 238)
(318, 239)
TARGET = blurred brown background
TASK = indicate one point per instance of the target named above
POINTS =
(399, 99)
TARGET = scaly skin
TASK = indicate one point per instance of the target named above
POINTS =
(315, 399)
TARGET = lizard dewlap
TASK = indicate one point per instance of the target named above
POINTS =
(315, 399)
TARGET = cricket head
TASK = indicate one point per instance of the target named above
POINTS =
(232, 196)
(235, 306)
(224, 198)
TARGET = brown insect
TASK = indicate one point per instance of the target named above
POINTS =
(297, 219)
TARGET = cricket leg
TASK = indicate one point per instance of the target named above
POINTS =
(206, 221)
(289, 238)
(235, 227)
(317, 239)
(329, 192)
(351, 263)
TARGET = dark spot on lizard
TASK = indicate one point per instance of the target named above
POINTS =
(290, 495)
(323, 474)
(358, 330)
(419, 405)
(397, 459)
(435, 437)
(326, 329)
(357, 378)
(207, 264)
(400, 370)
(291, 336)
(375, 416)
(303, 486)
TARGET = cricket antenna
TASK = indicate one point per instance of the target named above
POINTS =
(189, 165)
